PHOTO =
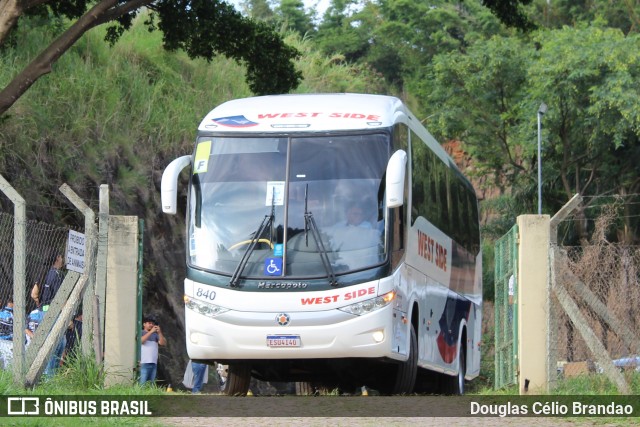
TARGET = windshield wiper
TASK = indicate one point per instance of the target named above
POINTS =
(198, 191)
(267, 223)
(310, 224)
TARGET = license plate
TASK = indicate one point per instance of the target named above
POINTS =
(283, 341)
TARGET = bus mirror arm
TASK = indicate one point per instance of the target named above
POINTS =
(396, 169)
(169, 186)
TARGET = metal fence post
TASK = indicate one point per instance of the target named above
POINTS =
(101, 261)
(140, 286)
(87, 301)
(552, 326)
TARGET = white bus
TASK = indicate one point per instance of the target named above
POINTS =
(331, 242)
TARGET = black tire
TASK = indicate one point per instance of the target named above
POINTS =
(238, 379)
(406, 373)
(304, 389)
(454, 385)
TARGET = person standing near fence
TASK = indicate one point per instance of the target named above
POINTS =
(151, 338)
(43, 298)
(52, 282)
(6, 320)
(73, 337)
(34, 319)
(6, 334)
(200, 375)
(195, 376)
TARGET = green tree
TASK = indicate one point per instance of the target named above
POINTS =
(295, 17)
(258, 9)
(202, 28)
(475, 96)
(488, 98)
(416, 31)
(588, 77)
(618, 14)
(510, 12)
(341, 30)
(399, 37)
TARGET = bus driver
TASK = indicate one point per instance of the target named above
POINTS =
(355, 217)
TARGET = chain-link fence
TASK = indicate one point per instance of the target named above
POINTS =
(43, 242)
(603, 280)
(591, 311)
(31, 248)
(595, 306)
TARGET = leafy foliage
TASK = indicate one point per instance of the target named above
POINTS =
(294, 16)
(399, 37)
(203, 28)
(489, 95)
(478, 94)
(510, 12)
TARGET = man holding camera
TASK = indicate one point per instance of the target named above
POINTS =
(151, 338)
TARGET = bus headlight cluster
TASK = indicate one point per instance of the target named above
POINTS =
(370, 305)
(203, 308)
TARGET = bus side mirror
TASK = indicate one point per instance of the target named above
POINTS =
(169, 186)
(396, 170)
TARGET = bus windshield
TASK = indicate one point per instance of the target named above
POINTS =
(256, 197)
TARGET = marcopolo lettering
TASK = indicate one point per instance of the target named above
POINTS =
(282, 285)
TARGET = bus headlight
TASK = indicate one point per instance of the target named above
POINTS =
(370, 305)
(203, 308)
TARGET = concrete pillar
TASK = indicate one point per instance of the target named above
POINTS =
(533, 303)
(121, 305)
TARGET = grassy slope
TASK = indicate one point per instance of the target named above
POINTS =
(115, 115)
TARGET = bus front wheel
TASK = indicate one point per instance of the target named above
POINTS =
(406, 374)
(238, 379)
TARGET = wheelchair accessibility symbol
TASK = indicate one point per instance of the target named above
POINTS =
(273, 266)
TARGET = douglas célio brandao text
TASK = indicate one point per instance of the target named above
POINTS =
(551, 409)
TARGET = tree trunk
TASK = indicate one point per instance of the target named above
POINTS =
(10, 11)
(42, 64)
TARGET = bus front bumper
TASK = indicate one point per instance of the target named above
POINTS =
(297, 335)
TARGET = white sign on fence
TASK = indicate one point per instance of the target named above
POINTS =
(75, 251)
